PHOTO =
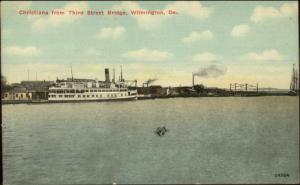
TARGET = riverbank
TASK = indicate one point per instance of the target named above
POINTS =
(5, 102)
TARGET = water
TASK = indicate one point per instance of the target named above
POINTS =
(210, 140)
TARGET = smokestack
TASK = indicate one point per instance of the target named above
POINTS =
(121, 75)
(114, 77)
(106, 70)
(193, 79)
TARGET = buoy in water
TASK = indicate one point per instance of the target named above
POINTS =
(160, 131)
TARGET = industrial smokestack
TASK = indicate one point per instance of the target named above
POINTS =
(107, 79)
(193, 80)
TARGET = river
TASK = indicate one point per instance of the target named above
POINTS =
(209, 140)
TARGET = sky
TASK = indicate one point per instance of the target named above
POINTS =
(222, 42)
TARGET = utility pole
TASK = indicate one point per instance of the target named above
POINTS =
(28, 74)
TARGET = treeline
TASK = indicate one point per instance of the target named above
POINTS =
(4, 85)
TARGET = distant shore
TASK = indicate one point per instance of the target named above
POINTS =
(6, 102)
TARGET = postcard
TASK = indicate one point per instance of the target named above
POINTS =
(149, 92)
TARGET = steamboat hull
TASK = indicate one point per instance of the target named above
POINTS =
(5, 102)
(132, 98)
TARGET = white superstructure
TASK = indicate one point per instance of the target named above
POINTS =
(88, 91)
(92, 90)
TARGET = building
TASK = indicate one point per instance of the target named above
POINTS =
(18, 93)
(39, 89)
(28, 90)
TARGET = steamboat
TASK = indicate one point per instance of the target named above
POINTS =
(76, 90)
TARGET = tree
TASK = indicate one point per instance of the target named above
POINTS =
(4, 86)
(3, 81)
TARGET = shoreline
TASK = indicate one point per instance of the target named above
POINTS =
(13, 102)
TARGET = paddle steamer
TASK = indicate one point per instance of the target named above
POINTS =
(92, 90)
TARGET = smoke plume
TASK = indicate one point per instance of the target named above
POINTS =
(214, 70)
(149, 81)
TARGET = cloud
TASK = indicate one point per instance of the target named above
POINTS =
(23, 4)
(5, 32)
(289, 9)
(19, 51)
(111, 33)
(148, 22)
(266, 55)
(261, 13)
(194, 9)
(91, 52)
(240, 30)
(57, 20)
(205, 56)
(145, 22)
(16, 5)
(197, 36)
(148, 55)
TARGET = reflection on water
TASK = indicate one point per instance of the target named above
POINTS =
(211, 140)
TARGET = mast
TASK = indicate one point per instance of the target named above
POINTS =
(121, 74)
(293, 80)
(297, 80)
(71, 72)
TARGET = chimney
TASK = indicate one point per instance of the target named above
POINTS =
(193, 79)
(114, 76)
(107, 75)
(122, 75)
